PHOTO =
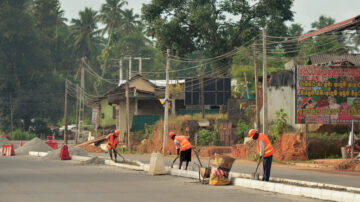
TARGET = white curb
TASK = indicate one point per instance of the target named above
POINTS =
(299, 182)
(183, 173)
(37, 154)
(323, 194)
(81, 158)
(121, 165)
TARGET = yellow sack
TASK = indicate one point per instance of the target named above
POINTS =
(220, 170)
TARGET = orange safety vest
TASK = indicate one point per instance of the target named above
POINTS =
(268, 147)
(112, 142)
(184, 143)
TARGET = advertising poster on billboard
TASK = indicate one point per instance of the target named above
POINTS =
(327, 94)
(93, 116)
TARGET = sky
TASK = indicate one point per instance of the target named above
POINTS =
(306, 11)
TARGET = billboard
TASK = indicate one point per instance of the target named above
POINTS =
(216, 91)
(94, 116)
(327, 94)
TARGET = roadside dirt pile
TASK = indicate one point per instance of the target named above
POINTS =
(55, 154)
(3, 140)
(92, 149)
(349, 165)
(94, 161)
(290, 147)
(35, 144)
(154, 143)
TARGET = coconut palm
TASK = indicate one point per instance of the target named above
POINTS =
(110, 15)
(84, 32)
(131, 22)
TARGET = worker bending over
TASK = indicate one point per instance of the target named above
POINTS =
(265, 150)
(112, 143)
(183, 147)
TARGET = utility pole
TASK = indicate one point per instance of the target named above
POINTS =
(77, 113)
(127, 105)
(202, 98)
(66, 112)
(256, 90)
(82, 96)
(166, 112)
(130, 66)
(11, 114)
(246, 86)
(265, 112)
(121, 69)
(140, 58)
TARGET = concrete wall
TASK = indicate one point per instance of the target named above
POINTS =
(281, 97)
(150, 107)
(145, 107)
(141, 84)
(107, 110)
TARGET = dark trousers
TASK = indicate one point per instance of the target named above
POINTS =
(267, 167)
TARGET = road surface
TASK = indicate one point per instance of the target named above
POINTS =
(278, 170)
(23, 178)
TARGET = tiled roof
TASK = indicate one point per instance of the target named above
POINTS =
(323, 58)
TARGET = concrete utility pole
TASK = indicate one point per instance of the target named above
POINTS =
(246, 86)
(127, 105)
(202, 98)
(130, 67)
(120, 79)
(82, 96)
(77, 113)
(140, 62)
(121, 69)
(166, 111)
(11, 115)
(66, 112)
(265, 112)
(256, 90)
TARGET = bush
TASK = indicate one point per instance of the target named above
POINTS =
(279, 126)
(20, 135)
(206, 137)
(241, 131)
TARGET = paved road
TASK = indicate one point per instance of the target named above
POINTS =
(23, 178)
(278, 170)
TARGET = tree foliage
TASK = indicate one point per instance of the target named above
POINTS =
(188, 26)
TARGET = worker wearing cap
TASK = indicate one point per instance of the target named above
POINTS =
(183, 147)
(265, 150)
(112, 143)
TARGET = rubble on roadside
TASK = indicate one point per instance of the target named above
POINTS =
(36, 144)
(55, 154)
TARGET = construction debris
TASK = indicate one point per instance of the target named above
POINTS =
(94, 161)
(92, 149)
(95, 141)
(54, 155)
(349, 164)
(35, 144)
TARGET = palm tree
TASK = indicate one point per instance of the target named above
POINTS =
(84, 31)
(130, 21)
(110, 15)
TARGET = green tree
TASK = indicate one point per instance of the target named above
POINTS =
(131, 21)
(24, 67)
(322, 22)
(84, 33)
(111, 15)
(329, 43)
(189, 26)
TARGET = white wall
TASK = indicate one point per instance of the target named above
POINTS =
(281, 97)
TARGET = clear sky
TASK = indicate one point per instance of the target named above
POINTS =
(306, 11)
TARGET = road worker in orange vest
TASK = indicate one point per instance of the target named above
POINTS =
(112, 143)
(265, 150)
(183, 148)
